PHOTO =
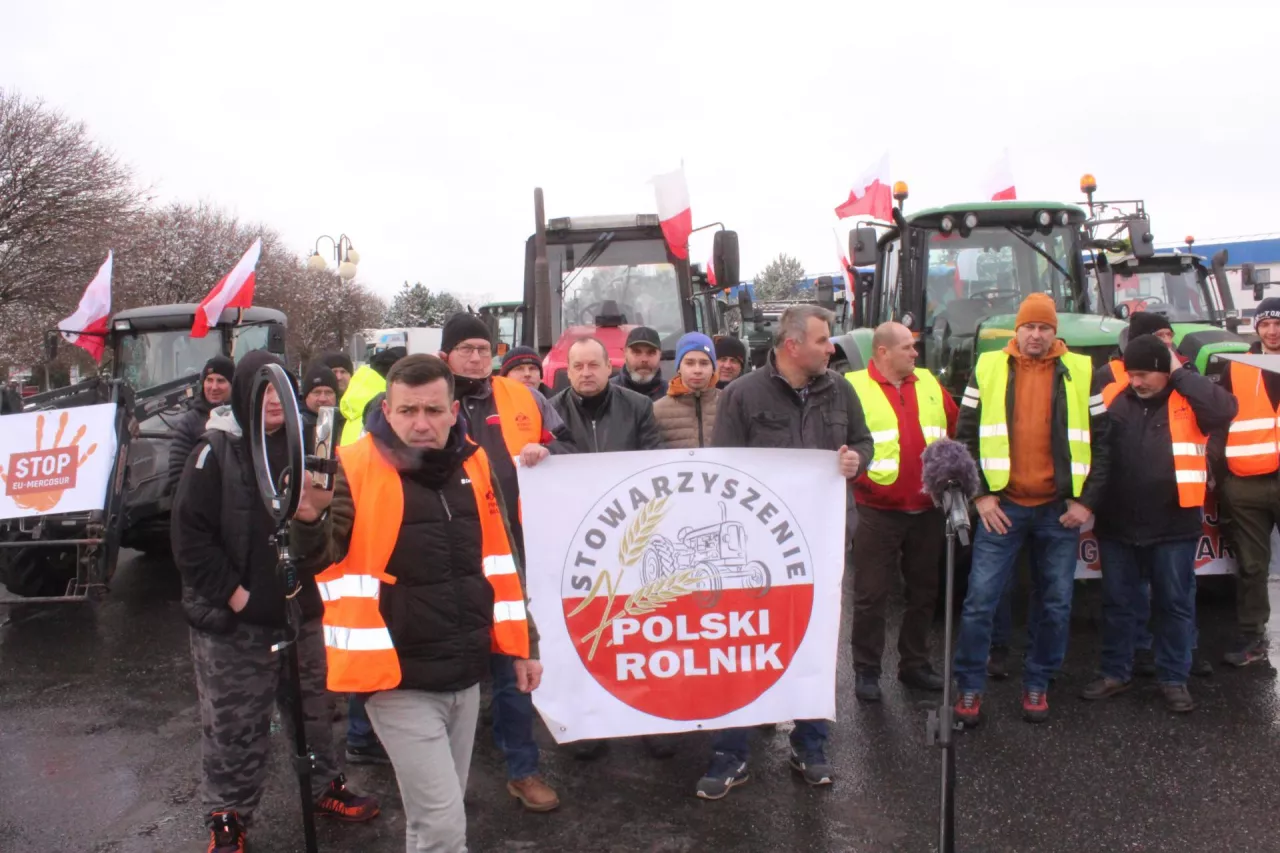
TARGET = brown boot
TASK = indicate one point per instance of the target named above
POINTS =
(1104, 688)
(1177, 698)
(534, 794)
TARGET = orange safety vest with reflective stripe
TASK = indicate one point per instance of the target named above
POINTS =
(1253, 441)
(358, 646)
(518, 414)
(1190, 464)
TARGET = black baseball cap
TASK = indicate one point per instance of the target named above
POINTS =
(644, 335)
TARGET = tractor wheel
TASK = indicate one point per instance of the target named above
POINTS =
(34, 572)
(659, 559)
(758, 578)
(707, 585)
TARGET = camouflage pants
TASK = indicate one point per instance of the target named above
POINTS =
(239, 679)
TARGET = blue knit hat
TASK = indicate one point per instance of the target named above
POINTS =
(695, 342)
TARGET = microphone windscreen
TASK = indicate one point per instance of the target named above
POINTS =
(945, 462)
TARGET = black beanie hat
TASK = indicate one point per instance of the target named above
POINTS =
(731, 347)
(334, 360)
(461, 327)
(1147, 323)
(1268, 309)
(221, 365)
(382, 361)
(519, 356)
(1147, 352)
(318, 376)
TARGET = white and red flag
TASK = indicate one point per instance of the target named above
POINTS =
(711, 271)
(999, 181)
(234, 290)
(87, 327)
(872, 193)
(844, 267)
(673, 211)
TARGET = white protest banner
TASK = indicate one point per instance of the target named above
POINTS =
(56, 461)
(680, 590)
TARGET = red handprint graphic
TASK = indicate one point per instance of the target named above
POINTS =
(37, 479)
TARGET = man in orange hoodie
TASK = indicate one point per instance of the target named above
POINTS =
(1034, 418)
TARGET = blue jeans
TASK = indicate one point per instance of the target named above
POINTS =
(359, 730)
(1053, 566)
(808, 737)
(512, 719)
(1171, 569)
(1002, 629)
(1144, 639)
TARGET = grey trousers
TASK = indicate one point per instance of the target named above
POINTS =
(429, 737)
(239, 679)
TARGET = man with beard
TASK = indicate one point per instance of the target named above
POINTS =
(234, 600)
(642, 372)
(510, 422)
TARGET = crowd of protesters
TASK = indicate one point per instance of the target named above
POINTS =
(415, 621)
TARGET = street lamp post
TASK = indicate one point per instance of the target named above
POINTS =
(344, 255)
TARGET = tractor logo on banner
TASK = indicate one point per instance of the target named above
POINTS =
(687, 589)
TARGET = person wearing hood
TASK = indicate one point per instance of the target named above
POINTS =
(687, 415)
(234, 600)
(215, 389)
(732, 359)
(523, 365)
(416, 527)
(510, 422)
(1034, 419)
(340, 364)
(366, 383)
(642, 370)
(1150, 519)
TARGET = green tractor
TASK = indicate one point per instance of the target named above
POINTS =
(955, 276)
(1192, 294)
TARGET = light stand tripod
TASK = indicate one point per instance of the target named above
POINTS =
(941, 725)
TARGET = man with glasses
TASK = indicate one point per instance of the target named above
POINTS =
(510, 422)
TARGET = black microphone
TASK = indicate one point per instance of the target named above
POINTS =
(951, 478)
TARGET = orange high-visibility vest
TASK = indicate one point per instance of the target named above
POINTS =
(1190, 464)
(358, 646)
(518, 414)
(1253, 442)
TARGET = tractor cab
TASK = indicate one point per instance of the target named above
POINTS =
(605, 275)
(506, 326)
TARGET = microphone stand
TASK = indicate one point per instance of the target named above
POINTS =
(941, 726)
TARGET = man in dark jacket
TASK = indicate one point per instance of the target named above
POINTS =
(319, 388)
(340, 364)
(642, 370)
(523, 365)
(731, 358)
(509, 421)
(1149, 521)
(446, 586)
(235, 602)
(215, 390)
(793, 401)
(603, 416)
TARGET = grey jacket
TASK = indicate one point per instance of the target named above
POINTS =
(761, 409)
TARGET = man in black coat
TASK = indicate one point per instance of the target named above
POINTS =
(601, 415)
(1149, 523)
(215, 390)
(234, 600)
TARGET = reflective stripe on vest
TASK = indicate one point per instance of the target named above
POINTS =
(882, 420)
(991, 376)
(1253, 442)
(1190, 464)
(358, 644)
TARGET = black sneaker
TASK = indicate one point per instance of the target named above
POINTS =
(998, 663)
(866, 686)
(375, 753)
(226, 833)
(340, 802)
(726, 771)
(921, 678)
(1248, 650)
(1144, 663)
(1201, 667)
(812, 766)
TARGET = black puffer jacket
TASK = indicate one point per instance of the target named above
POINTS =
(1140, 502)
(187, 430)
(617, 419)
(440, 609)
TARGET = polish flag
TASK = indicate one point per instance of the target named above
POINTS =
(872, 194)
(711, 270)
(999, 181)
(844, 266)
(89, 322)
(674, 212)
(234, 290)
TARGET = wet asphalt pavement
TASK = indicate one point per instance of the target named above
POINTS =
(99, 751)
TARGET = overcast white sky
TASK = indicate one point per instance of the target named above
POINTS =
(422, 131)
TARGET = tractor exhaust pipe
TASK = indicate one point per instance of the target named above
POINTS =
(541, 276)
